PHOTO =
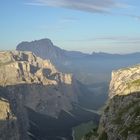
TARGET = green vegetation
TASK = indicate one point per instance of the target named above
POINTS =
(127, 117)
(5, 63)
(91, 134)
(133, 127)
(136, 82)
(106, 108)
(103, 136)
(127, 68)
(120, 113)
(133, 83)
(83, 129)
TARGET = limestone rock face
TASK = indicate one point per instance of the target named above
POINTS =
(125, 81)
(27, 81)
(17, 67)
(43, 88)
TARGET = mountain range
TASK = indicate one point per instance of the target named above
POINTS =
(46, 91)
(92, 70)
(88, 68)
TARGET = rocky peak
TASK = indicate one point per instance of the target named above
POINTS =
(24, 67)
(45, 43)
(43, 48)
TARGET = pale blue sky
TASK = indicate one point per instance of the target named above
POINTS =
(85, 25)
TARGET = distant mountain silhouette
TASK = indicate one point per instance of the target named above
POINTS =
(46, 50)
(88, 68)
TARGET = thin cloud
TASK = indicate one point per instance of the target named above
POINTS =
(34, 4)
(116, 39)
(132, 16)
(68, 20)
(120, 40)
(95, 6)
(61, 25)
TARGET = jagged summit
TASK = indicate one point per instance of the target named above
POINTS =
(45, 41)
(42, 47)
(45, 49)
(24, 67)
(45, 44)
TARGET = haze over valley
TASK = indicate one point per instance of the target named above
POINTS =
(70, 70)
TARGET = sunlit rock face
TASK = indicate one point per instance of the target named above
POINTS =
(43, 88)
(27, 81)
(125, 81)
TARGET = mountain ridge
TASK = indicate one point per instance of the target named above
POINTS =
(50, 44)
(87, 68)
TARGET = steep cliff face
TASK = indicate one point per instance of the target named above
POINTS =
(8, 122)
(27, 81)
(125, 81)
(42, 87)
(121, 117)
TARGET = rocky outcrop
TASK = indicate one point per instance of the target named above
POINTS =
(27, 81)
(125, 81)
(43, 88)
(121, 116)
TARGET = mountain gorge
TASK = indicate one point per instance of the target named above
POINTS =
(92, 70)
(121, 117)
(46, 92)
